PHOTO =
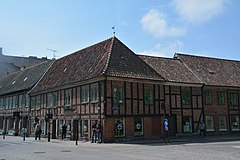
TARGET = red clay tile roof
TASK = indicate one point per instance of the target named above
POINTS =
(213, 71)
(107, 58)
(171, 69)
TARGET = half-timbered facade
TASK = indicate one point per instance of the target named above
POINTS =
(131, 94)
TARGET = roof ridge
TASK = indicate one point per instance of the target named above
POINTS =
(202, 56)
(109, 56)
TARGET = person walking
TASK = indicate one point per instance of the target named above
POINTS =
(94, 132)
(38, 131)
(202, 129)
(64, 131)
(99, 132)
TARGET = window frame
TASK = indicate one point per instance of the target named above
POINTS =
(94, 93)
(221, 98)
(67, 97)
(186, 97)
(84, 95)
(207, 97)
(148, 96)
(118, 94)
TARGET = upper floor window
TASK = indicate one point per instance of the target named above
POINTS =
(20, 97)
(84, 94)
(67, 97)
(220, 98)
(51, 100)
(233, 98)
(27, 101)
(186, 96)
(208, 97)
(148, 95)
(94, 92)
(38, 102)
(33, 102)
(1, 103)
(14, 102)
(117, 94)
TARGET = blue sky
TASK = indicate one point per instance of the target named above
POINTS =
(152, 27)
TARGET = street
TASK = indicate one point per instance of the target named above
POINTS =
(14, 148)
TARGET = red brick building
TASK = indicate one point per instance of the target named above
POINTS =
(131, 94)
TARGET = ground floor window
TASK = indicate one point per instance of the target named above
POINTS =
(209, 123)
(187, 124)
(119, 128)
(222, 123)
(138, 126)
(235, 123)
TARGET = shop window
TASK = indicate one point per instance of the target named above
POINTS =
(208, 97)
(209, 123)
(148, 96)
(85, 94)
(85, 126)
(186, 96)
(235, 123)
(119, 128)
(187, 124)
(94, 92)
(117, 94)
(138, 126)
(222, 123)
(220, 98)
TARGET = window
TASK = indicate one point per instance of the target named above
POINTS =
(20, 97)
(233, 98)
(1, 103)
(38, 102)
(138, 126)
(84, 94)
(117, 94)
(67, 97)
(222, 123)
(187, 124)
(7, 103)
(209, 123)
(49, 100)
(220, 98)
(148, 95)
(27, 101)
(14, 102)
(10, 102)
(186, 96)
(208, 97)
(235, 123)
(33, 102)
(85, 125)
(94, 92)
(119, 128)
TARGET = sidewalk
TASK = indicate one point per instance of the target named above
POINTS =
(172, 140)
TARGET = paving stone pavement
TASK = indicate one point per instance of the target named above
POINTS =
(210, 148)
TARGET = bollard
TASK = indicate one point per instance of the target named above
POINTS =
(24, 136)
(48, 136)
(3, 135)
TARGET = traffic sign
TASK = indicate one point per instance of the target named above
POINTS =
(165, 122)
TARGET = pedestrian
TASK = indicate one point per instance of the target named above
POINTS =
(202, 129)
(99, 132)
(94, 132)
(64, 131)
(38, 131)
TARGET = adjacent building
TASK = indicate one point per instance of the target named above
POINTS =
(129, 94)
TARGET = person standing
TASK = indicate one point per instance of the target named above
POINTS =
(64, 131)
(94, 133)
(202, 129)
(38, 131)
(99, 132)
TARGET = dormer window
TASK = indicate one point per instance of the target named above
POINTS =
(25, 79)
(13, 82)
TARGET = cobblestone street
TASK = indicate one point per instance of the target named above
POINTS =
(14, 148)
